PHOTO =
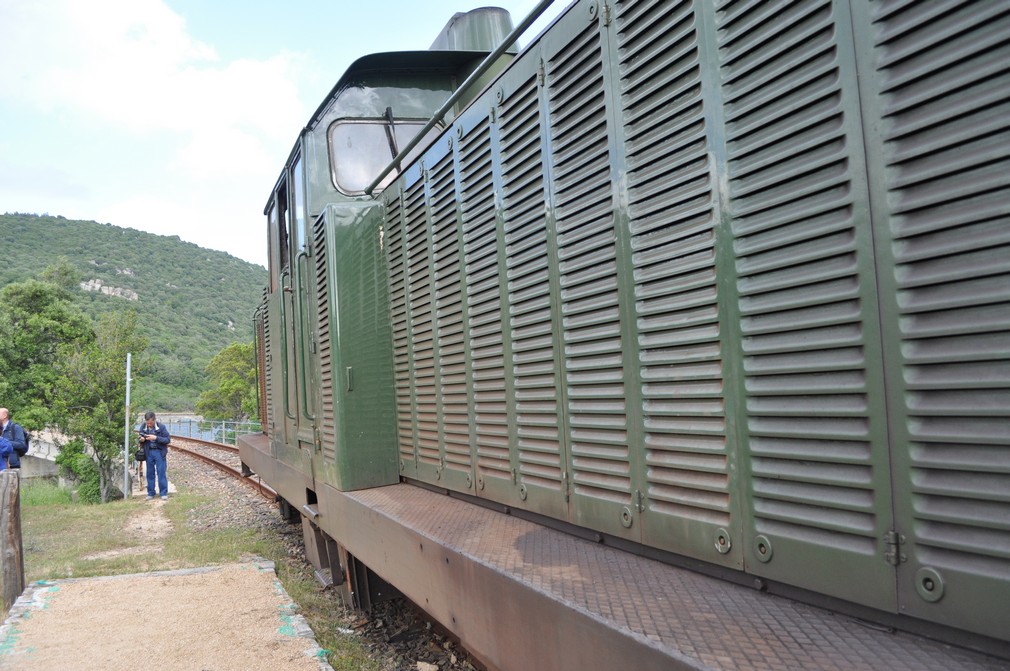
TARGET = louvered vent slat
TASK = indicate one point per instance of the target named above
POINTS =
(586, 244)
(538, 417)
(484, 302)
(454, 429)
(799, 282)
(327, 423)
(422, 333)
(394, 244)
(268, 370)
(946, 129)
(673, 226)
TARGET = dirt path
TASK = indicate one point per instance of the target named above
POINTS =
(228, 617)
(148, 526)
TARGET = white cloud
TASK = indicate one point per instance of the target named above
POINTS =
(132, 63)
(191, 141)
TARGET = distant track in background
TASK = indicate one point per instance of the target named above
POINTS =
(203, 450)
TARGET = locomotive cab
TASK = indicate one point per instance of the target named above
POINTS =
(326, 387)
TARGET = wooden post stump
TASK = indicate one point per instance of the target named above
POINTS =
(12, 557)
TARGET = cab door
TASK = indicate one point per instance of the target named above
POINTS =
(302, 330)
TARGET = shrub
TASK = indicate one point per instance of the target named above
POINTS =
(78, 464)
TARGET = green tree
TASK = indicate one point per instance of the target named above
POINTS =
(91, 391)
(233, 374)
(37, 319)
(62, 273)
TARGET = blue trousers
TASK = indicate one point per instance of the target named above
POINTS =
(156, 463)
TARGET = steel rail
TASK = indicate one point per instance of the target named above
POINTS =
(208, 443)
(264, 490)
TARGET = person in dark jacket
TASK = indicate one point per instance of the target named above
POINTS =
(5, 452)
(154, 437)
(13, 432)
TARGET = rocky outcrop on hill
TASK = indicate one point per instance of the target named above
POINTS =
(98, 285)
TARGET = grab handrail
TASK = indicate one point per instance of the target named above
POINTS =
(474, 76)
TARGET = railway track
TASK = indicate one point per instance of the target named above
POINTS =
(224, 458)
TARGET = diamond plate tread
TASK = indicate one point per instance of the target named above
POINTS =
(711, 623)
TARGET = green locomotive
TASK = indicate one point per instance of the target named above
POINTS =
(722, 284)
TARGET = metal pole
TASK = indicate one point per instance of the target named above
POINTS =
(126, 433)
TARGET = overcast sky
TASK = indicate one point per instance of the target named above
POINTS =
(175, 116)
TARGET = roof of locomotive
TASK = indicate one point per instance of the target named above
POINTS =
(451, 53)
(415, 63)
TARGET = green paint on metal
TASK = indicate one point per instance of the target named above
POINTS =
(719, 291)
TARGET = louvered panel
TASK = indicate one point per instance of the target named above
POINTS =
(422, 325)
(673, 224)
(814, 424)
(941, 100)
(268, 370)
(394, 244)
(324, 351)
(261, 361)
(538, 419)
(454, 430)
(484, 330)
(588, 278)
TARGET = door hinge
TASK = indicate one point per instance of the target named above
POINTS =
(541, 73)
(640, 500)
(892, 548)
(564, 485)
(606, 14)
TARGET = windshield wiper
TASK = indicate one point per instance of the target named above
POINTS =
(391, 135)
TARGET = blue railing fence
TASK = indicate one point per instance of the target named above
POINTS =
(205, 429)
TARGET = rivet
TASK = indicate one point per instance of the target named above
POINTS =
(929, 584)
(723, 541)
(763, 548)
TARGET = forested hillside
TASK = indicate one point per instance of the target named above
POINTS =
(192, 302)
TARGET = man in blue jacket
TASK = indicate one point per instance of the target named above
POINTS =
(16, 435)
(5, 452)
(154, 437)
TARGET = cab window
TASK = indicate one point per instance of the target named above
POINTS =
(361, 148)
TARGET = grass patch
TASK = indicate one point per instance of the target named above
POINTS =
(41, 492)
(58, 536)
(326, 615)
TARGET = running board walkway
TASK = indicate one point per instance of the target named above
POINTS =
(523, 596)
